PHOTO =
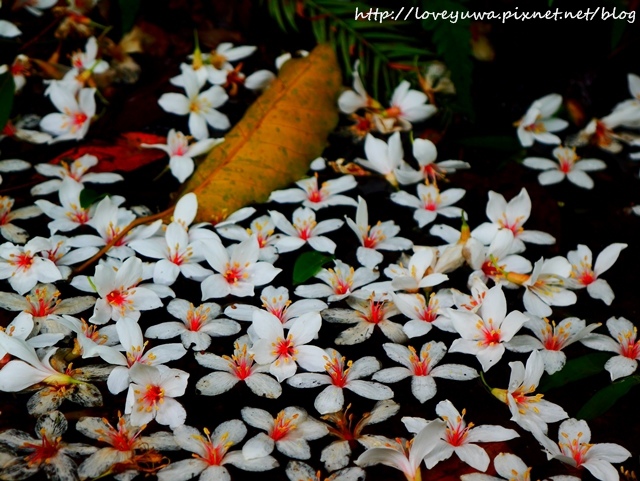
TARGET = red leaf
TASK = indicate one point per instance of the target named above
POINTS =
(125, 155)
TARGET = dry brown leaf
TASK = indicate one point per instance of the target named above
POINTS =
(273, 144)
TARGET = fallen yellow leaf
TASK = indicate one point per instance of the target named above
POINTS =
(273, 144)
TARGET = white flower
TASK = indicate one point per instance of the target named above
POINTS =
(60, 252)
(339, 377)
(276, 302)
(418, 272)
(304, 230)
(151, 395)
(459, 438)
(484, 334)
(181, 154)
(35, 7)
(316, 197)
(109, 221)
(366, 314)
(225, 52)
(340, 282)
(512, 216)
(262, 228)
(76, 170)
(198, 326)
(422, 368)
(430, 202)
(124, 443)
(43, 305)
(8, 230)
(46, 452)
(73, 123)
(201, 107)
(382, 157)
(575, 449)
(134, 345)
(583, 275)
(379, 236)
(176, 254)
(406, 456)
(23, 268)
(8, 29)
(231, 370)
(408, 105)
(13, 165)
(624, 344)
(546, 286)
(70, 214)
(284, 353)
(529, 410)
(569, 165)
(211, 453)
(238, 269)
(288, 432)
(537, 123)
(358, 98)
(120, 294)
(551, 339)
(422, 314)
(426, 153)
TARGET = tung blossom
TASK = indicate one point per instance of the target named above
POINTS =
(23, 268)
(510, 215)
(623, 342)
(151, 395)
(304, 230)
(381, 236)
(426, 153)
(340, 376)
(200, 106)
(484, 334)
(406, 456)
(76, 170)
(529, 410)
(181, 154)
(198, 326)
(459, 437)
(366, 314)
(211, 452)
(550, 339)
(583, 275)
(230, 370)
(538, 123)
(316, 197)
(430, 202)
(568, 165)
(10, 231)
(547, 286)
(289, 432)
(284, 353)
(237, 269)
(339, 282)
(575, 449)
(422, 369)
(75, 115)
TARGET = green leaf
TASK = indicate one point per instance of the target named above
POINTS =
(604, 399)
(88, 197)
(128, 11)
(576, 369)
(7, 92)
(308, 265)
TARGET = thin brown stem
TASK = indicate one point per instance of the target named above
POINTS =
(124, 232)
